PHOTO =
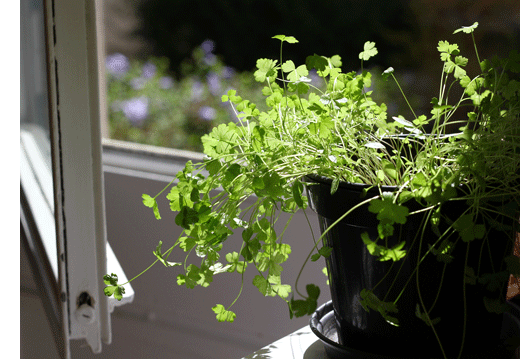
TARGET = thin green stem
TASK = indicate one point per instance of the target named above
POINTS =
(303, 266)
(240, 291)
(405, 98)
(326, 231)
(151, 265)
(424, 306)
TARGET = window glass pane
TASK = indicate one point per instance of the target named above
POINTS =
(35, 148)
(169, 62)
(34, 115)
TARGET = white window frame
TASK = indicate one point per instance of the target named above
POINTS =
(67, 200)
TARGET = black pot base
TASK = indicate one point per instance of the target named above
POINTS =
(323, 325)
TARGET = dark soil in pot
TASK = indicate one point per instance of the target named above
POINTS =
(352, 268)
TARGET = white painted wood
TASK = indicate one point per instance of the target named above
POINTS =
(36, 181)
(75, 57)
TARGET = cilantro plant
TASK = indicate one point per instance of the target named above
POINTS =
(337, 131)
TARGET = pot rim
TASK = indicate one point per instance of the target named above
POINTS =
(349, 185)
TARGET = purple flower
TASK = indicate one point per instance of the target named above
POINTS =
(207, 113)
(138, 83)
(117, 64)
(136, 110)
(197, 90)
(210, 59)
(213, 83)
(208, 46)
(315, 78)
(228, 72)
(166, 82)
(149, 70)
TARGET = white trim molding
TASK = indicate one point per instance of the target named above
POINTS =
(75, 54)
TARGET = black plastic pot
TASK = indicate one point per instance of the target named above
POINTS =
(352, 268)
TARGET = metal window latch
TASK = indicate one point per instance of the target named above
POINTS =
(85, 313)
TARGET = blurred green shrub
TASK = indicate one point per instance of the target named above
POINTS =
(146, 104)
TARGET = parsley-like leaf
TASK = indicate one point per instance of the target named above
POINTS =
(159, 256)
(467, 29)
(224, 315)
(149, 201)
(369, 50)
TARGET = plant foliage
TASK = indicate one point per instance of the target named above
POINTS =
(340, 133)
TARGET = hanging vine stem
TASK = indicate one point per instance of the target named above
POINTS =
(320, 240)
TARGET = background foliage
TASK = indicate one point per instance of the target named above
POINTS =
(202, 48)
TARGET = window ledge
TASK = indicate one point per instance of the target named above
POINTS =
(301, 344)
(145, 161)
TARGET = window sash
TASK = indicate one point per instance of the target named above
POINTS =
(75, 54)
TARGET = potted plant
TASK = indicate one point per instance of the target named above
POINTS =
(426, 215)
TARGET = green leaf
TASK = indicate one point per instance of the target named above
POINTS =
(322, 252)
(425, 318)
(386, 209)
(390, 171)
(110, 279)
(148, 201)
(322, 128)
(282, 290)
(369, 50)
(224, 315)
(289, 39)
(118, 293)
(186, 217)
(152, 203)
(116, 290)
(109, 290)
(288, 66)
(420, 121)
(316, 62)
(299, 308)
(296, 75)
(159, 256)
(388, 72)
(370, 301)
(467, 229)
(263, 285)
(308, 306)
(336, 61)
(334, 186)
(175, 199)
(446, 49)
(266, 69)
(382, 252)
(297, 190)
(469, 276)
(236, 264)
(443, 252)
(325, 251)
(467, 29)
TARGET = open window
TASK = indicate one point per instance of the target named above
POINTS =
(62, 215)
